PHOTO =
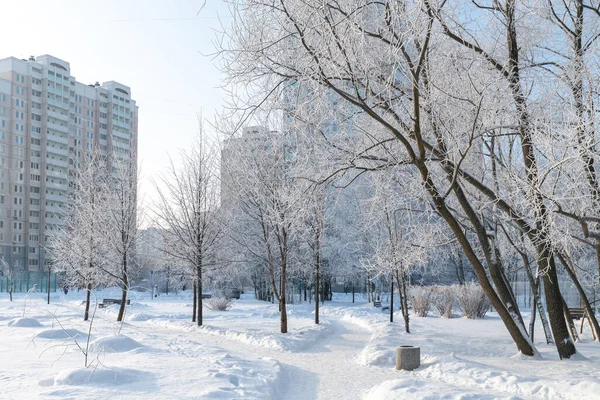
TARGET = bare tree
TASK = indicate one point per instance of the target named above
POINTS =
(78, 247)
(122, 223)
(264, 196)
(187, 212)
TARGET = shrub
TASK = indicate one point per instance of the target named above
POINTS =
(442, 298)
(219, 304)
(472, 300)
(420, 298)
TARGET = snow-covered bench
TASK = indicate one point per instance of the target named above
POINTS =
(106, 302)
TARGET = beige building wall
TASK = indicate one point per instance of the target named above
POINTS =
(48, 121)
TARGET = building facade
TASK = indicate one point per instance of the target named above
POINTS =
(48, 122)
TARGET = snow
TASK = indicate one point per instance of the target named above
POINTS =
(158, 353)
(24, 322)
(114, 344)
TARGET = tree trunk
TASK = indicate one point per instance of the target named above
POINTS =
(88, 295)
(199, 286)
(49, 269)
(125, 282)
(532, 321)
(401, 283)
(554, 302)
(282, 302)
(194, 301)
(392, 298)
(317, 281)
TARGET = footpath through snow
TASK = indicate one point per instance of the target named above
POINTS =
(326, 370)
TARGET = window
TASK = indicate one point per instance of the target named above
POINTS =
(34, 189)
(34, 214)
(33, 261)
(34, 202)
(34, 225)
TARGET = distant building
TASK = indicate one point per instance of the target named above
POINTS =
(48, 121)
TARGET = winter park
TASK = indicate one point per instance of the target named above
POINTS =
(300, 199)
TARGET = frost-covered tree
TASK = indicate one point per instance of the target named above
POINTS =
(187, 213)
(122, 223)
(265, 196)
(78, 247)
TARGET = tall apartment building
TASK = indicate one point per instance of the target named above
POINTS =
(48, 121)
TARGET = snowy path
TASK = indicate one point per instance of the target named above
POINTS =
(325, 370)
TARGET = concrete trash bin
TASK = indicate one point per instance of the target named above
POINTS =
(408, 357)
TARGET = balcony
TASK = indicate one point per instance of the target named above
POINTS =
(57, 139)
(59, 116)
(57, 162)
(55, 197)
(59, 104)
(57, 127)
(56, 185)
(56, 174)
(121, 135)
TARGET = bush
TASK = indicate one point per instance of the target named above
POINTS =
(420, 298)
(442, 298)
(472, 300)
(219, 304)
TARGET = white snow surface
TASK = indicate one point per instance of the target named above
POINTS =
(159, 353)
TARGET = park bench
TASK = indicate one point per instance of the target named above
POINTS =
(377, 303)
(106, 302)
(576, 312)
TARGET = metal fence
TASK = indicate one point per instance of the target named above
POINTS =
(25, 281)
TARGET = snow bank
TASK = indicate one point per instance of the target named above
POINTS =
(416, 389)
(114, 344)
(67, 333)
(139, 317)
(101, 376)
(24, 323)
(293, 341)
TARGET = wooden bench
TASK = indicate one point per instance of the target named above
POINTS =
(106, 302)
(377, 304)
(576, 312)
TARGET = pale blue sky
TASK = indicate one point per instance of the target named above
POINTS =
(152, 46)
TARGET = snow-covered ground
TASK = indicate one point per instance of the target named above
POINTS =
(158, 353)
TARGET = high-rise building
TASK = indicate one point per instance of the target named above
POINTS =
(49, 121)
